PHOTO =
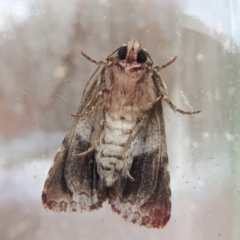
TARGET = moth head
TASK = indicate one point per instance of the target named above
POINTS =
(132, 52)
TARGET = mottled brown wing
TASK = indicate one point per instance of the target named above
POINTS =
(71, 185)
(146, 200)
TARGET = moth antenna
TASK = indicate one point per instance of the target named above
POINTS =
(175, 109)
(89, 81)
(157, 68)
(148, 55)
(114, 52)
(105, 62)
(94, 61)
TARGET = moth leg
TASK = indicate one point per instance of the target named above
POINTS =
(174, 108)
(157, 68)
(131, 138)
(98, 138)
(105, 62)
(126, 172)
(93, 109)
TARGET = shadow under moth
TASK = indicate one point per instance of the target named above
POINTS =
(115, 149)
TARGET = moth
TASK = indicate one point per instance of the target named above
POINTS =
(115, 149)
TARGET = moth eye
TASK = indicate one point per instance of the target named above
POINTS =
(122, 52)
(142, 56)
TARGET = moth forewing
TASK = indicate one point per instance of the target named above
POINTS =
(115, 149)
(58, 191)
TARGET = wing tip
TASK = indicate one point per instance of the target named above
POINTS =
(155, 218)
(64, 205)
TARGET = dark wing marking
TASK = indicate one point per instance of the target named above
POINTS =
(56, 195)
(146, 200)
(70, 185)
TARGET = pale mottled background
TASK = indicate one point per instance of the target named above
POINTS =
(42, 76)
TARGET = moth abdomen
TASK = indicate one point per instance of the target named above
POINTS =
(110, 155)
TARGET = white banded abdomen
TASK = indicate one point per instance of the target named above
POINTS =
(110, 151)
